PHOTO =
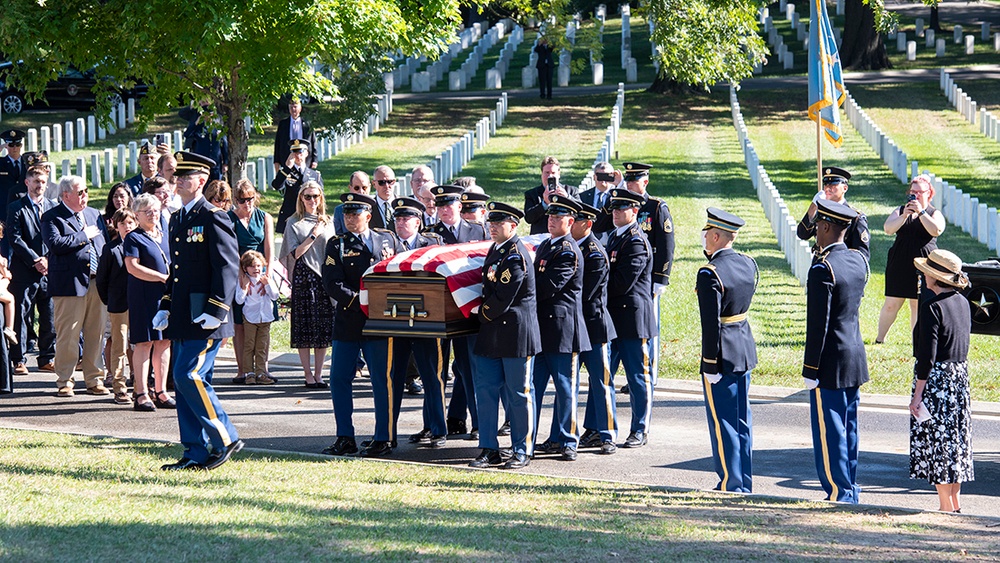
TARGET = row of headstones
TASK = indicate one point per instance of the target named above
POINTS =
(885, 147)
(610, 141)
(495, 75)
(76, 135)
(910, 47)
(989, 124)
(425, 80)
(777, 41)
(977, 219)
(783, 6)
(401, 75)
(798, 254)
(627, 60)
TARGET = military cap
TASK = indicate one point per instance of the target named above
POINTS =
(147, 148)
(447, 194)
(719, 219)
(472, 201)
(561, 205)
(836, 213)
(636, 170)
(190, 163)
(586, 213)
(13, 136)
(834, 175)
(355, 203)
(623, 199)
(407, 207)
(298, 145)
(499, 211)
(33, 159)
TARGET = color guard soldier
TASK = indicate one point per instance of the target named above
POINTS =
(558, 292)
(347, 258)
(508, 340)
(835, 189)
(725, 287)
(630, 304)
(835, 364)
(194, 314)
(293, 174)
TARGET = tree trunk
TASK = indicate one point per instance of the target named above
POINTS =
(862, 47)
(935, 20)
(666, 85)
(238, 140)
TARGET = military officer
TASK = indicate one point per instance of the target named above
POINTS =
(835, 182)
(348, 256)
(12, 168)
(725, 287)
(835, 365)
(600, 419)
(148, 158)
(194, 314)
(558, 292)
(508, 340)
(630, 304)
(474, 207)
(292, 175)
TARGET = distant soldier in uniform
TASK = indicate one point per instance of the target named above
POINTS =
(148, 157)
(194, 314)
(13, 170)
(508, 340)
(474, 207)
(835, 189)
(725, 287)
(347, 258)
(536, 200)
(835, 364)
(292, 175)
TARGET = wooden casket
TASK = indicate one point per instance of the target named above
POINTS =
(414, 304)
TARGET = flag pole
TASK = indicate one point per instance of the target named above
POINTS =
(819, 153)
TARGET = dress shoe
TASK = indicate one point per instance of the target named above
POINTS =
(436, 442)
(635, 440)
(473, 435)
(163, 401)
(266, 379)
(421, 436)
(98, 389)
(217, 459)
(47, 366)
(505, 453)
(517, 461)
(240, 380)
(183, 464)
(608, 447)
(66, 391)
(377, 448)
(122, 399)
(311, 385)
(568, 453)
(145, 406)
(456, 426)
(322, 385)
(414, 388)
(20, 369)
(547, 447)
(590, 439)
(504, 430)
(343, 446)
(624, 389)
(367, 443)
(487, 458)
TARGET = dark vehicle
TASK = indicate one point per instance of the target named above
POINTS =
(73, 89)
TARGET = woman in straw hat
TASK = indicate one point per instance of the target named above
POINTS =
(941, 446)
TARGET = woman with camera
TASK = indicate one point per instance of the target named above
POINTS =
(917, 224)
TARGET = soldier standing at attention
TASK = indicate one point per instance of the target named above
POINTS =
(835, 182)
(725, 288)
(289, 179)
(835, 364)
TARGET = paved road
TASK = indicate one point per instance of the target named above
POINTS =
(289, 417)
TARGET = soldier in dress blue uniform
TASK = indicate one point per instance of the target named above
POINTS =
(600, 418)
(508, 340)
(13, 170)
(558, 292)
(835, 364)
(835, 182)
(290, 177)
(348, 256)
(474, 207)
(194, 314)
(725, 288)
(630, 304)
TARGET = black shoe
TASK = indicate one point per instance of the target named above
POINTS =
(343, 446)
(377, 448)
(547, 447)
(368, 443)
(414, 388)
(163, 401)
(311, 385)
(322, 385)
(487, 458)
(635, 440)
(473, 434)
(624, 389)
(456, 426)
(608, 448)
(421, 436)
(239, 380)
(183, 464)
(517, 461)
(590, 439)
(146, 406)
(505, 453)
(568, 454)
(504, 430)
(216, 460)
(437, 442)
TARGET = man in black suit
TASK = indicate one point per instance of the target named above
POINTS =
(835, 364)
(291, 177)
(148, 157)
(12, 170)
(544, 64)
(421, 183)
(605, 178)
(384, 182)
(29, 268)
(291, 128)
(76, 235)
(536, 200)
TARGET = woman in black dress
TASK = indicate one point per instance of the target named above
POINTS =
(941, 445)
(917, 224)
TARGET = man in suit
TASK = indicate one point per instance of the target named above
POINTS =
(195, 315)
(148, 157)
(291, 128)
(75, 235)
(605, 178)
(508, 340)
(291, 177)
(536, 200)
(835, 183)
(725, 288)
(544, 64)
(359, 183)
(347, 258)
(12, 170)
(421, 183)
(835, 365)
(558, 290)
(384, 182)
(29, 268)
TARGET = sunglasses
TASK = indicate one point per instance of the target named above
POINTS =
(81, 192)
(310, 196)
(386, 182)
(244, 200)
(220, 201)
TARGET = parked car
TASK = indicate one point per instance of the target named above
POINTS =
(73, 89)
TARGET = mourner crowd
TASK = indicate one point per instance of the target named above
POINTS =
(177, 263)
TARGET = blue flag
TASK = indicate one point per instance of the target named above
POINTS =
(826, 85)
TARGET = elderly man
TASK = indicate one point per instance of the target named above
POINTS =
(291, 177)
(536, 200)
(148, 157)
(76, 235)
(421, 182)
(384, 182)
(605, 178)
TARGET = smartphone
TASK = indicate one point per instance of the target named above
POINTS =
(159, 139)
(911, 197)
(604, 176)
(552, 182)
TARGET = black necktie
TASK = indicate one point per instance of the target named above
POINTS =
(406, 245)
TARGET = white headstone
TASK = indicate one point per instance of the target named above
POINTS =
(493, 79)
(109, 168)
(57, 138)
(957, 31)
(91, 129)
(801, 32)
(789, 11)
(80, 132)
(795, 20)
(32, 140)
(563, 75)
(985, 34)
(919, 24)
(133, 157)
(929, 38)
(66, 170)
(939, 50)
(996, 42)
(782, 4)
(789, 60)
(631, 71)
(455, 80)
(840, 7)
(901, 42)
(46, 139)
(121, 116)
(122, 162)
(970, 44)
(68, 131)
(81, 167)
(598, 71)
(911, 50)
(528, 77)
(131, 110)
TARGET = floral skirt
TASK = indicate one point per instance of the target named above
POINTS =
(311, 310)
(941, 448)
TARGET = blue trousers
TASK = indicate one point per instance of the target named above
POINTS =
(204, 426)
(834, 417)
(494, 376)
(378, 356)
(463, 392)
(601, 412)
(432, 362)
(563, 369)
(635, 354)
(727, 404)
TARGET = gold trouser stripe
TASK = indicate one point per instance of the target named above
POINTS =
(388, 385)
(574, 373)
(199, 384)
(733, 319)
(718, 431)
(826, 447)
(529, 447)
(608, 387)
(647, 380)
(440, 374)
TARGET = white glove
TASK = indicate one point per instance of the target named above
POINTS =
(819, 195)
(161, 319)
(713, 378)
(659, 289)
(208, 322)
(475, 310)
(811, 383)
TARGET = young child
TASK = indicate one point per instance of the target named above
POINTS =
(112, 287)
(7, 298)
(257, 293)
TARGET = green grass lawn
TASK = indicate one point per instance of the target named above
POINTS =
(72, 498)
